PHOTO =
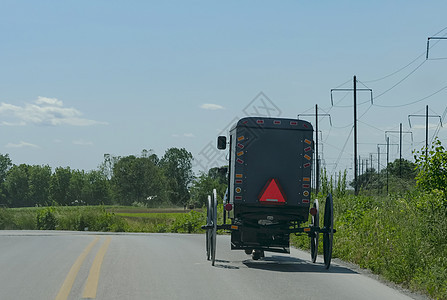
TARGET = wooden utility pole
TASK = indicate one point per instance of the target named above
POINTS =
(378, 169)
(387, 160)
(387, 157)
(426, 131)
(400, 151)
(426, 125)
(317, 160)
(356, 188)
(355, 90)
(400, 144)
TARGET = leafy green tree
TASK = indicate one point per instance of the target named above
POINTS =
(327, 184)
(97, 189)
(432, 168)
(106, 167)
(5, 165)
(341, 184)
(203, 186)
(405, 169)
(60, 185)
(367, 180)
(151, 155)
(219, 173)
(177, 167)
(17, 186)
(39, 184)
(138, 179)
(76, 188)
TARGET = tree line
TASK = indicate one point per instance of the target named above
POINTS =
(135, 179)
(151, 181)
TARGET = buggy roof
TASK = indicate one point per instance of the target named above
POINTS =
(273, 123)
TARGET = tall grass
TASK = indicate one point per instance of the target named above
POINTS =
(97, 218)
(403, 238)
(92, 218)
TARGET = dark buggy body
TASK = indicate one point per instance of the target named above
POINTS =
(271, 158)
(269, 188)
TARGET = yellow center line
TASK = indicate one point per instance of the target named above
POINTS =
(93, 277)
(71, 276)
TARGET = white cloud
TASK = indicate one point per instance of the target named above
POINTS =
(210, 106)
(189, 135)
(43, 111)
(49, 101)
(21, 144)
(82, 142)
(20, 123)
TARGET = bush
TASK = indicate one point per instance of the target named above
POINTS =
(399, 237)
(433, 169)
(89, 219)
(6, 219)
(46, 219)
(189, 223)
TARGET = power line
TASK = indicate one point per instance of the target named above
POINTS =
(420, 65)
(364, 113)
(410, 63)
(343, 127)
(350, 90)
(400, 81)
(404, 67)
(414, 102)
(428, 45)
(371, 126)
(342, 151)
(349, 80)
(440, 31)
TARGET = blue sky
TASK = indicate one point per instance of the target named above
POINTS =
(79, 79)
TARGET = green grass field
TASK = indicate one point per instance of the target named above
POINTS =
(102, 218)
(148, 215)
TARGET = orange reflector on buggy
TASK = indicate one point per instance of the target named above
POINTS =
(272, 193)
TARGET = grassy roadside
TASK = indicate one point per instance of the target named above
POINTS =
(402, 238)
(102, 218)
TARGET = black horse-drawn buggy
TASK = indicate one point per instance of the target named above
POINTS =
(269, 190)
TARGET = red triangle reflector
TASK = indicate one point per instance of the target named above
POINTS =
(272, 193)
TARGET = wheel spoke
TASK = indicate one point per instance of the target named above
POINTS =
(329, 234)
(315, 236)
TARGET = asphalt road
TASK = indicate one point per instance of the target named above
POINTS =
(76, 265)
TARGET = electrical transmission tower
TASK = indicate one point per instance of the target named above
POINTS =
(354, 90)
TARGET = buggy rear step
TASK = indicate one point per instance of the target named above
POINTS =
(309, 230)
(263, 248)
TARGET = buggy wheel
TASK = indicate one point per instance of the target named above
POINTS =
(214, 230)
(315, 235)
(328, 235)
(208, 231)
(257, 254)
